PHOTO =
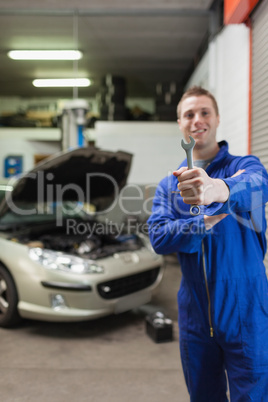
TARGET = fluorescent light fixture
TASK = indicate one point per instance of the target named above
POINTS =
(45, 54)
(61, 82)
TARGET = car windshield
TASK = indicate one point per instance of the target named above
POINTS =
(23, 213)
(4, 189)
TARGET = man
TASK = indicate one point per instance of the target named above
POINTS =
(223, 297)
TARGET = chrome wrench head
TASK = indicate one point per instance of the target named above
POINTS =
(188, 147)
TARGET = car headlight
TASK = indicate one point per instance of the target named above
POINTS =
(55, 260)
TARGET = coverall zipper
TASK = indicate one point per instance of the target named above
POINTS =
(207, 289)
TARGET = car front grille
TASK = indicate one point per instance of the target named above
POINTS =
(128, 284)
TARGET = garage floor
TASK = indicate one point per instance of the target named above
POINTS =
(108, 360)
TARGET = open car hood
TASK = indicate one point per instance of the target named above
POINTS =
(88, 175)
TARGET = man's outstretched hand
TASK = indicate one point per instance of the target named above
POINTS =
(197, 188)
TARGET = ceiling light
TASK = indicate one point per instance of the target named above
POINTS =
(62, 82)
(45, 54)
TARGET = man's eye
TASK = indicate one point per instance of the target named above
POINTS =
(189, 115)
(204, 113)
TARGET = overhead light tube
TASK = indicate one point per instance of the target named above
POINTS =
(61, 82)
(45, 54)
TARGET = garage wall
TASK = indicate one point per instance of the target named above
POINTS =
(26, 149)
(156, 147)
(259, 145)
(27, 142)
(201, 74)
(224, 70)
(232, 91)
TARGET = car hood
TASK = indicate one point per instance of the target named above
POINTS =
(88, 175)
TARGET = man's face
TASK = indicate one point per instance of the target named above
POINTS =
(198, 119)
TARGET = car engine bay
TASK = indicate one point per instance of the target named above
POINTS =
(93, 244)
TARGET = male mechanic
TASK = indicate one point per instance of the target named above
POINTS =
(223, 297)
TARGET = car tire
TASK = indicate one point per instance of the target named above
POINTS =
(9, 315)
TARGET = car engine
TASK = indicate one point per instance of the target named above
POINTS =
(93, 245)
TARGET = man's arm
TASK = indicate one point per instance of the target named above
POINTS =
(248, 189)
(211, 221)
(170, 229)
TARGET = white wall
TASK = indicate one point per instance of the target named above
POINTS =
(156, 147)
(201, 74)
(27, 142)
(232, 89)
(27, 149)
(224, 70)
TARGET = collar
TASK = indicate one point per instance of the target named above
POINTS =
(223, 151)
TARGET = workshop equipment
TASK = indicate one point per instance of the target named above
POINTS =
(159, 327)
(188, 147)
(73, 123)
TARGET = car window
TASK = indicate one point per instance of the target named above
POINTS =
(2, 195)
(21, 213)
(31, 212)
(4, 189)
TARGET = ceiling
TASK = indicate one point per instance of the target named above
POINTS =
(146, 41)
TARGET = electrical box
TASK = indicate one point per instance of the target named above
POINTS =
(159, 327)
(13, 165)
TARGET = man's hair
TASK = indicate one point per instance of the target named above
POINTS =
(197, 91)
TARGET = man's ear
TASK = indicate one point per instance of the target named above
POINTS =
(218, 120)
(179, 122)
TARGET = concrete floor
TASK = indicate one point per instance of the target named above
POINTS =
(106, 360)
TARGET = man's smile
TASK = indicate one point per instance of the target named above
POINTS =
(199, 131)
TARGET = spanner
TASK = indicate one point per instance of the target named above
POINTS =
(188, 147)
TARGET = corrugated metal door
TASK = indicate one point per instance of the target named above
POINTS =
(259, 136)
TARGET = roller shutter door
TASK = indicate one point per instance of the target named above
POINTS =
(259, 136)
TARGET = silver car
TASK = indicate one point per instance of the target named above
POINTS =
(60, 260)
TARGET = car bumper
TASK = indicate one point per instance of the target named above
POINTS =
(68, 314)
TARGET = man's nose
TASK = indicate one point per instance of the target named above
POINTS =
(197, 118)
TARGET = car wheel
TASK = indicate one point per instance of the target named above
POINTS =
(9, 315)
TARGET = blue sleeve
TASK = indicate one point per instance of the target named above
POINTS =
(170, 230)
(248, 191)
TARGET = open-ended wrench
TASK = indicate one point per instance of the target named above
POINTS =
(188, 147)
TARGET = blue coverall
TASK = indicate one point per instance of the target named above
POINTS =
(223, 297)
